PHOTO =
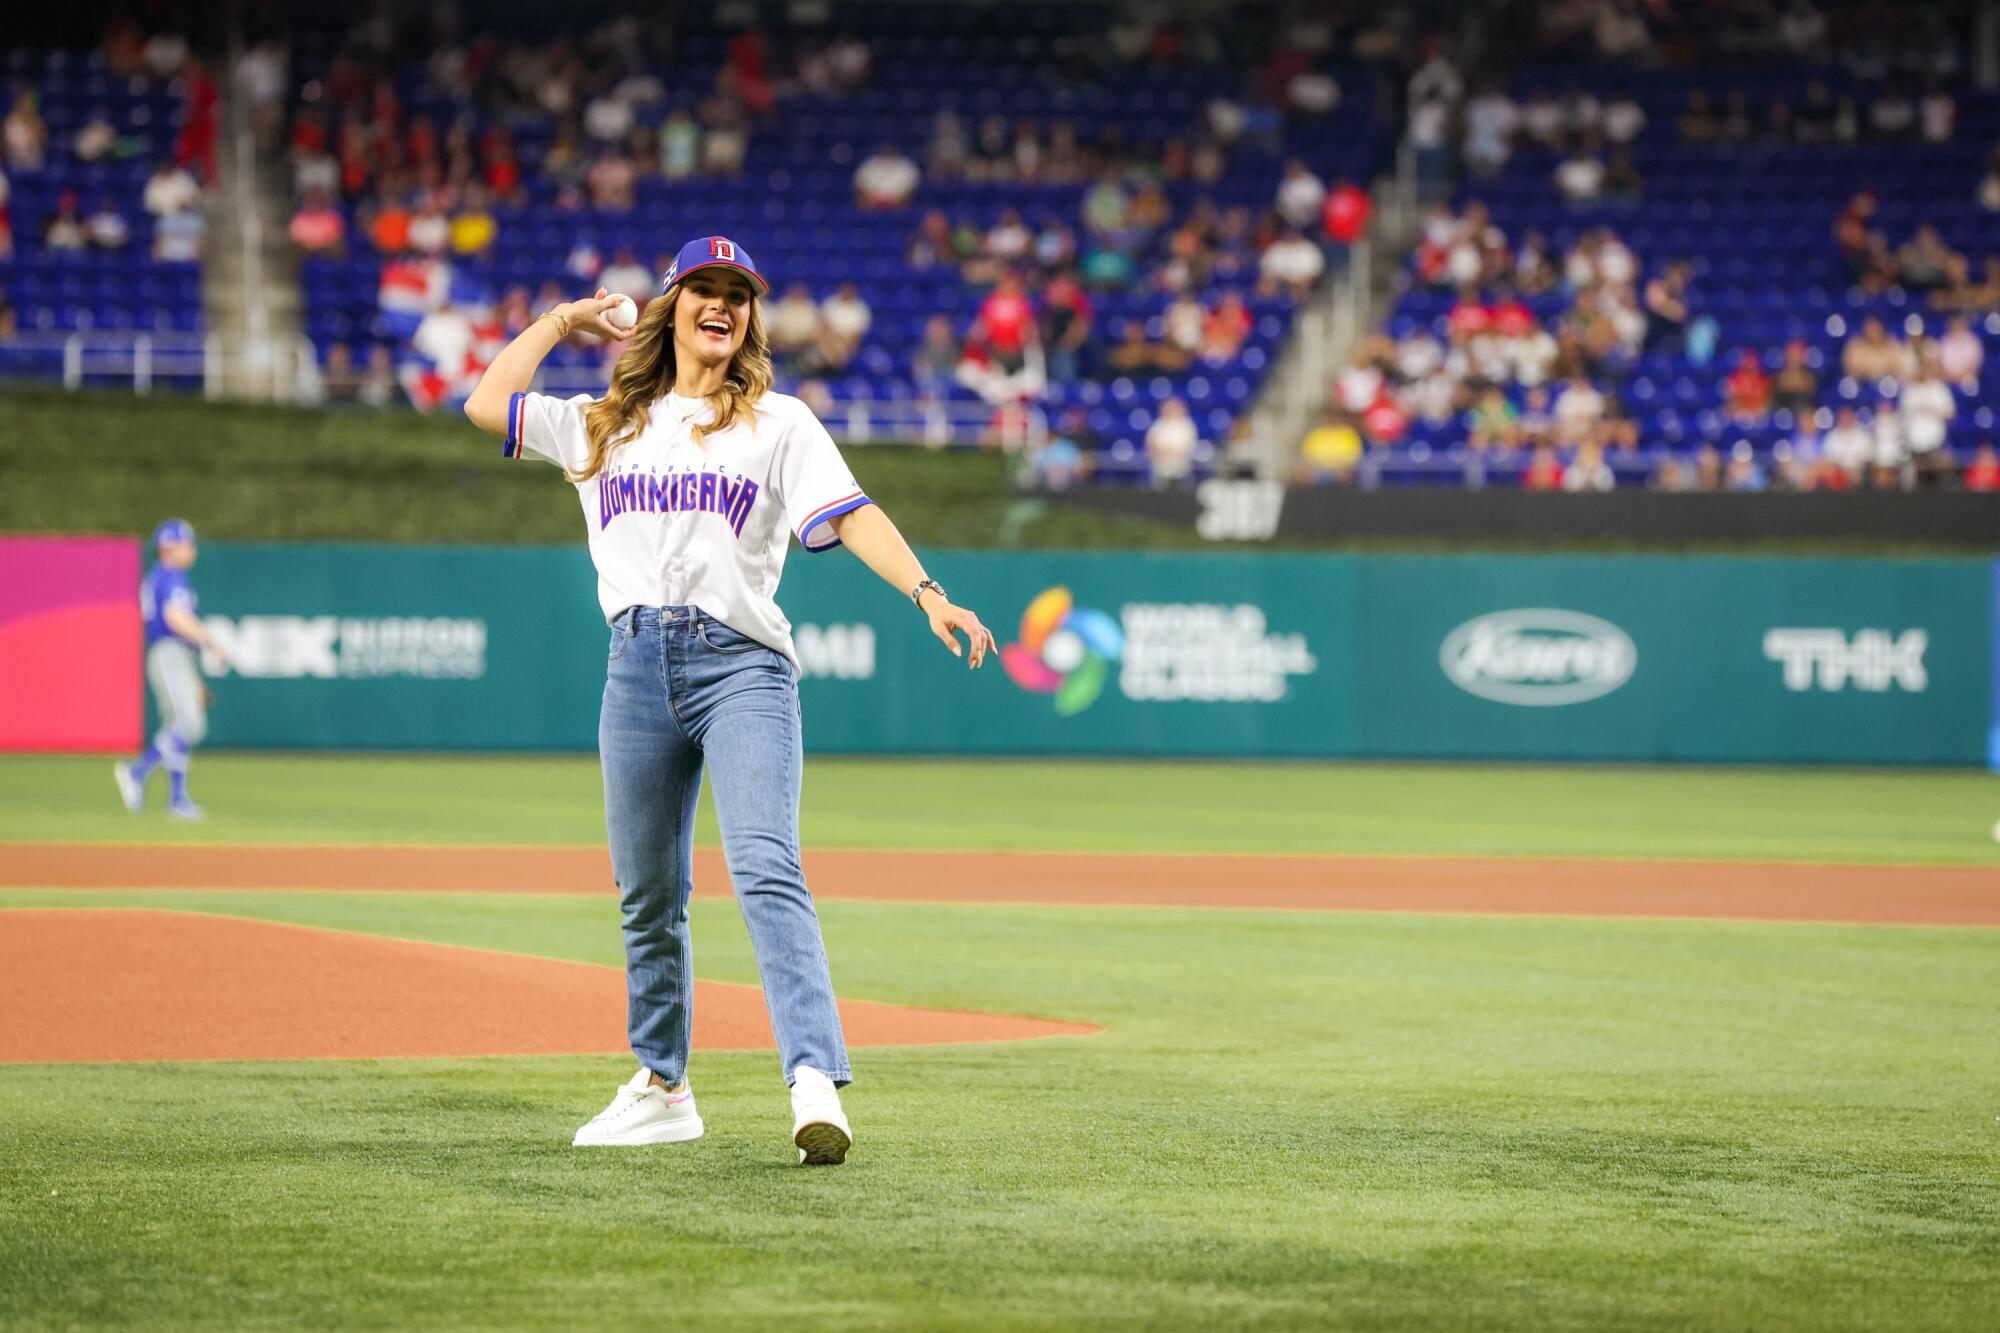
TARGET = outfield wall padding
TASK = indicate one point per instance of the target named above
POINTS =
(1640, 658)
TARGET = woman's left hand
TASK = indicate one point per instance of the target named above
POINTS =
(946, 618)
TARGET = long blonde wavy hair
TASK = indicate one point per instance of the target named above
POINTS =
(644, 374)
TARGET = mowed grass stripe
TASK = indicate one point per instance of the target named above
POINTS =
(1818, 815)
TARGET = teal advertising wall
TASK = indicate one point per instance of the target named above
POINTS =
(1626, 658)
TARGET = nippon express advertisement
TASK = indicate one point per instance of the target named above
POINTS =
(1608, 658)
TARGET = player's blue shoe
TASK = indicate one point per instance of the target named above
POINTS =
(186, 811)
(130, 789)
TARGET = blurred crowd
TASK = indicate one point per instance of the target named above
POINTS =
(1527, 386)
(184, 164)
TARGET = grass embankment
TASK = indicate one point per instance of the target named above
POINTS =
(116, 463)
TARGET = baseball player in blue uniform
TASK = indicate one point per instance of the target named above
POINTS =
(174, 635)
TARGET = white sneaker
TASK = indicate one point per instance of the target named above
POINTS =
(643, 1112)
(130, 789)
(819, 1129)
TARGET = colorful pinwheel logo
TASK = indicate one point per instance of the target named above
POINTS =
(1065, 650)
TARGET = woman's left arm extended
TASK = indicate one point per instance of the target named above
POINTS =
(868, 533)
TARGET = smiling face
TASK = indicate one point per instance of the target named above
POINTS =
(711, 316)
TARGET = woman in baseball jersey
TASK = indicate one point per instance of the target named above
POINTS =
(694, 476)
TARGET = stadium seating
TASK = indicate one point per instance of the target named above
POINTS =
(1755, 219)
(793, 206)
(64, 291)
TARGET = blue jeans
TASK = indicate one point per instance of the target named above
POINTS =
(682, 690)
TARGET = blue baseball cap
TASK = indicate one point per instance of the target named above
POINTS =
(714, 252)
(173, 532)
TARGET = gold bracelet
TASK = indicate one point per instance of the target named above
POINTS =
(562, 323)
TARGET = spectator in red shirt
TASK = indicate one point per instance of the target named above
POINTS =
(308, 133)
(200, 110)
(1224, 330)
(422, 146)
(1509, 317)
(1384, 422)
(1346, 212)
(503, 172)
(1544, 472)
(1469, 318)
(1983, 472)
(1747, 391)
(317, 228)
(1009, 321)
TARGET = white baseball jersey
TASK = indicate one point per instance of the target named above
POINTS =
(674, 522)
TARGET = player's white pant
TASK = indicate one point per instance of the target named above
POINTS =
(175, 675)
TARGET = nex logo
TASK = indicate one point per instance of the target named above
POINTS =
(1874, 660)
(721, 249)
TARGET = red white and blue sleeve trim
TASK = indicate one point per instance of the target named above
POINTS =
(517, 409)
(834, 509)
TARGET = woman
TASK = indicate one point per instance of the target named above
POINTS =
(693, 476)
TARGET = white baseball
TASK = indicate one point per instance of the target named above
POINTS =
(624, 314)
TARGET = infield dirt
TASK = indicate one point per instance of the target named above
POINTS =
(1724, 890)
(151, 985)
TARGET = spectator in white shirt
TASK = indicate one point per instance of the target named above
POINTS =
(608, 119)
(1623, 119)
(1891, 448)
(96, 138)
(1300, 195)
(1490, 121)
(1010, 238)
(24, 134)
(1927, 408)
(1581, 176)
(169, 190)
(107, 229)
(1938, 115)
(445, 337)
(177, 237)
(1849, 446)
(430, 229)
(1170, 443)
(1802, 28)
(1961, 353)
(1588, 471)
(1292, 263)
(626, 276)
(886, 179)
(1436, 80)
(1892, 115)
(316, 172)
(1579, 409)
(844, 320)
(1615, 262)
(794, 324)
(1312, 92)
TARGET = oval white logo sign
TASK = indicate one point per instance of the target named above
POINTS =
(1538, 657)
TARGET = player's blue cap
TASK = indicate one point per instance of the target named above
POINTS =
(173, 532)
(714, 252)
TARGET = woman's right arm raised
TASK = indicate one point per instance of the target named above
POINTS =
(514, 369)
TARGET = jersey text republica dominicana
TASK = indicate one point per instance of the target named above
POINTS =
(674, 522)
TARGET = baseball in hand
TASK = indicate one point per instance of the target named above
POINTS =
(622, 314)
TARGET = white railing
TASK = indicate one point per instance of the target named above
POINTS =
(879, 420)
(286, 369)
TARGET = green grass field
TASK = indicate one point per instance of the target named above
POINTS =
(1290, 1119)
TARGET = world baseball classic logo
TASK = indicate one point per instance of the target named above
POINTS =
(1065, 650)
